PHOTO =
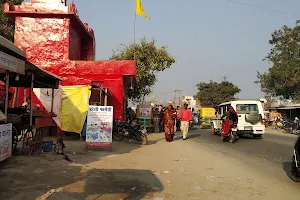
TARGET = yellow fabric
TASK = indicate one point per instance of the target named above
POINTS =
(139, 10)
(75, 103)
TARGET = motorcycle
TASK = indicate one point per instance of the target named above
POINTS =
(291, 127)
(295, 170)
(232, 136)
(124, 130)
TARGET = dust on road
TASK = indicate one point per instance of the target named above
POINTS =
(176, 170)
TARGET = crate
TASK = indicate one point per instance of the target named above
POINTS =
(145, 121)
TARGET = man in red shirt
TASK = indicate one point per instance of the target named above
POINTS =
(186, 118)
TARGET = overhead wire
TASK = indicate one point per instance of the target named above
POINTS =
(263, 8)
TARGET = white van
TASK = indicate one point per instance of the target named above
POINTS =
(251, 117)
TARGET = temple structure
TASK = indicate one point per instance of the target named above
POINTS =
(53, 37)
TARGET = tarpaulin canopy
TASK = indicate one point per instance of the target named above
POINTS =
(75, 103)
(70, 105)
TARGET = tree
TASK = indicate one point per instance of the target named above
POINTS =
(7, 25)
(283, 78)
(149, 61)
(214, 93)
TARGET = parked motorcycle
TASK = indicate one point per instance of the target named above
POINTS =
(291, 127)
(295, 170)
(124, 130)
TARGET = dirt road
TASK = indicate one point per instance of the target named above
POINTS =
(177, 170)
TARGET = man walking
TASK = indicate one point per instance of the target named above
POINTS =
(186, 118)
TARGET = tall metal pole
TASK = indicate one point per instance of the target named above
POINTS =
(179, 97)
(175, 92)
(31, 96)
(134, 34)
(6, 96)
(134, 30)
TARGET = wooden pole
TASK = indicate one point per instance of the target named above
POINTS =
(31, 97)
(52, 100)
(17, 97)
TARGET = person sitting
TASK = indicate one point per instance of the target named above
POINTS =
(26, 104)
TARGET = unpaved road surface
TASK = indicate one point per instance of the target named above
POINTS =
(202, 167)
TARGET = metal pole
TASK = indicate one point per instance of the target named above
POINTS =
(31, 96)
(179, 98)
(134, 28)
(6, 88)
(52, 101)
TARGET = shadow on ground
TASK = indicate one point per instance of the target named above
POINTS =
(77, 152)
(287, 168)
(33, 177)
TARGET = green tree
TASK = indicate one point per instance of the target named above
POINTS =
(7, 25)
(149, 61)
(283, 78)
(214, 93)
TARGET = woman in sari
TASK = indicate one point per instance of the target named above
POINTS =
(231, 118)
(169, 122)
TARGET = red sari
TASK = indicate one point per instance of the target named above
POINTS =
(227, 124)
(169, 122)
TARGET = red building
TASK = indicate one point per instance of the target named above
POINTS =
(53, 37)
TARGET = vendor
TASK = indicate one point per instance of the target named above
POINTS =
(26, 104)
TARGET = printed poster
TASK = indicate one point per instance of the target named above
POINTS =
(99, 126)
(146, 111)
(5, 141)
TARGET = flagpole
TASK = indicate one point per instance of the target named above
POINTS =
(134, 27)
(134, 34)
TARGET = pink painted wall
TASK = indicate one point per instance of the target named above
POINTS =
(53, 37)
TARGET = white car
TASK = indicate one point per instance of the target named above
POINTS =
(250, 117)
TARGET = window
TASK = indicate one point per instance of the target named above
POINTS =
(246, 108)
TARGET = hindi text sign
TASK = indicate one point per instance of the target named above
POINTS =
(5, 141)
(99, 126)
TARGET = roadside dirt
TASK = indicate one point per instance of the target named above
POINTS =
(159, 171)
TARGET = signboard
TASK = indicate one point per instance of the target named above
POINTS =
(99, 126)
(11, 63)
(145, 111)
(5, 141)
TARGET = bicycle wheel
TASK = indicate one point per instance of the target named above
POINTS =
(27, 140)
(14, 139)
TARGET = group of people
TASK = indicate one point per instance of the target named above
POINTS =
(170, 119)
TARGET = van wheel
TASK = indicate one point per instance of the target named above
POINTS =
(213, 130)
(257, 136)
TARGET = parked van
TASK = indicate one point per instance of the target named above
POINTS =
(250, 114)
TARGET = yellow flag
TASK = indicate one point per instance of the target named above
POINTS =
(139, 10)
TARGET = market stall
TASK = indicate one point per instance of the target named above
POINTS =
(12, 60)
(24, 120)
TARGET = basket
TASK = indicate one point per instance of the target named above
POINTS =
(145, 121)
